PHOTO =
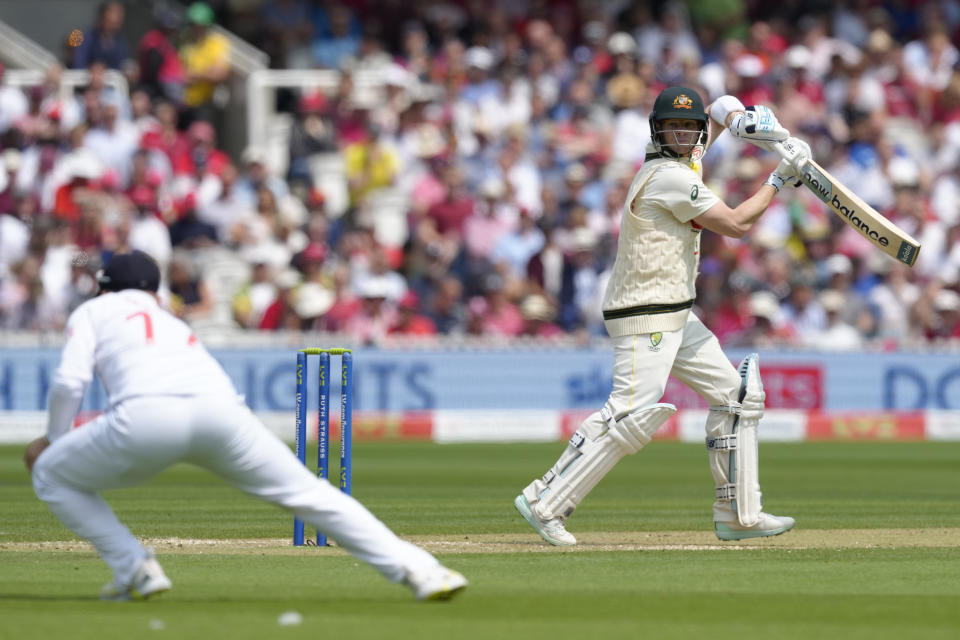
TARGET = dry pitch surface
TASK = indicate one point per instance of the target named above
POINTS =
(587, 541)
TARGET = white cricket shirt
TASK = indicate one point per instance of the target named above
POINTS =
(136, 349)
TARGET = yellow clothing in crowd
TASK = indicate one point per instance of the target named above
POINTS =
(369, 167)
(201, 57)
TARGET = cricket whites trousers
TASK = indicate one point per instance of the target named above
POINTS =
(692, 354)
(141, 437)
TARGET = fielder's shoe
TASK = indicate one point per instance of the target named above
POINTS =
(148, 580)
(436, 583)
(552, 531)
(767, 525)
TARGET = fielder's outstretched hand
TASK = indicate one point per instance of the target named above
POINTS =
(757, 125)
(34, 449)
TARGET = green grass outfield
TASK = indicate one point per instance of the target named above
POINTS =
(876, 552)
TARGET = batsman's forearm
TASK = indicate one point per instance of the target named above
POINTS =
(750, 210)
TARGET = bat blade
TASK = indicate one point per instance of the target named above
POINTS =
(865, 220)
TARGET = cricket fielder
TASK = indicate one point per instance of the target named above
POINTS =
(169, 402)
(647, 312)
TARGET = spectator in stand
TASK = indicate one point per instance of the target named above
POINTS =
(311, 301)
(164, 141)
(753, 88)
(198, 165)
(627, 94)
(515, 249)
(347, 304)
(312, 133)
(911, 212)
(537, 318)
(422, 173)
(372, 321)
(768, 328)
(251, 300)
(804, 310)
(188, 231)
(445, 308)
(256, 173)
(800, 100)
(78, 172)
(161, 71)
(253, 227)
(13, 103)
(190, 297)
(929, 64)
(33, 310)
(835, 335)
(369, 164)
(10, 161)
(580, 276)
(105, 40)
(205, 55)
(287, 29)
(99, 91)
(893, 297)
(492, 218)
(280, 313)
(409, 321)
(377, 267)
(337, 39)
(14, 237)
(113, 140)
(501, 316)
(841, 278)
(147, 232)
(441, 228)
(946, 306)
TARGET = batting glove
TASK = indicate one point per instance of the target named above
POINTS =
(757, 125)
(783, 174)
(796, 152)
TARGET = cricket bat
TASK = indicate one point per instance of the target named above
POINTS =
(866, 220)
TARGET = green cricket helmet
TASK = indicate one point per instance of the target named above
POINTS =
(681, 103)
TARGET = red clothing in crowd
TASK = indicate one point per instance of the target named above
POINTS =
(449, 214)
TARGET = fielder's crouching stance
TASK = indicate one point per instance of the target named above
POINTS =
(170, 402)
(648, 312)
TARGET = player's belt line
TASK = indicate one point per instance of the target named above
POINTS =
(645, 310)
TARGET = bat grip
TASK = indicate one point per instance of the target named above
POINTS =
(778, 147)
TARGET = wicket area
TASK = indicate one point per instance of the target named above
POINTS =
(323, 421)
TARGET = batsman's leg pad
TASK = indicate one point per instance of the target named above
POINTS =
(732, 442)
(586, 460)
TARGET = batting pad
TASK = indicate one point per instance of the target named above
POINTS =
(585, 462)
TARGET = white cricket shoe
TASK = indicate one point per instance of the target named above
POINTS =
(552, 531)
(148, 580)
(435, 583)
(767, 525)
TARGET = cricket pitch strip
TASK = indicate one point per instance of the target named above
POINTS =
(798, 539)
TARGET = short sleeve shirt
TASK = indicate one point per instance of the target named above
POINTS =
(680, 190)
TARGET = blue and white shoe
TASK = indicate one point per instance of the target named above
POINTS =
(552, 531)
(148, 580)
(767, 525)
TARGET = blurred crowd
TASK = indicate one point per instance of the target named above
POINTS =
(508, 134)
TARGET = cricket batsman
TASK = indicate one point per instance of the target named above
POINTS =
(647, 311)
(170, 402)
